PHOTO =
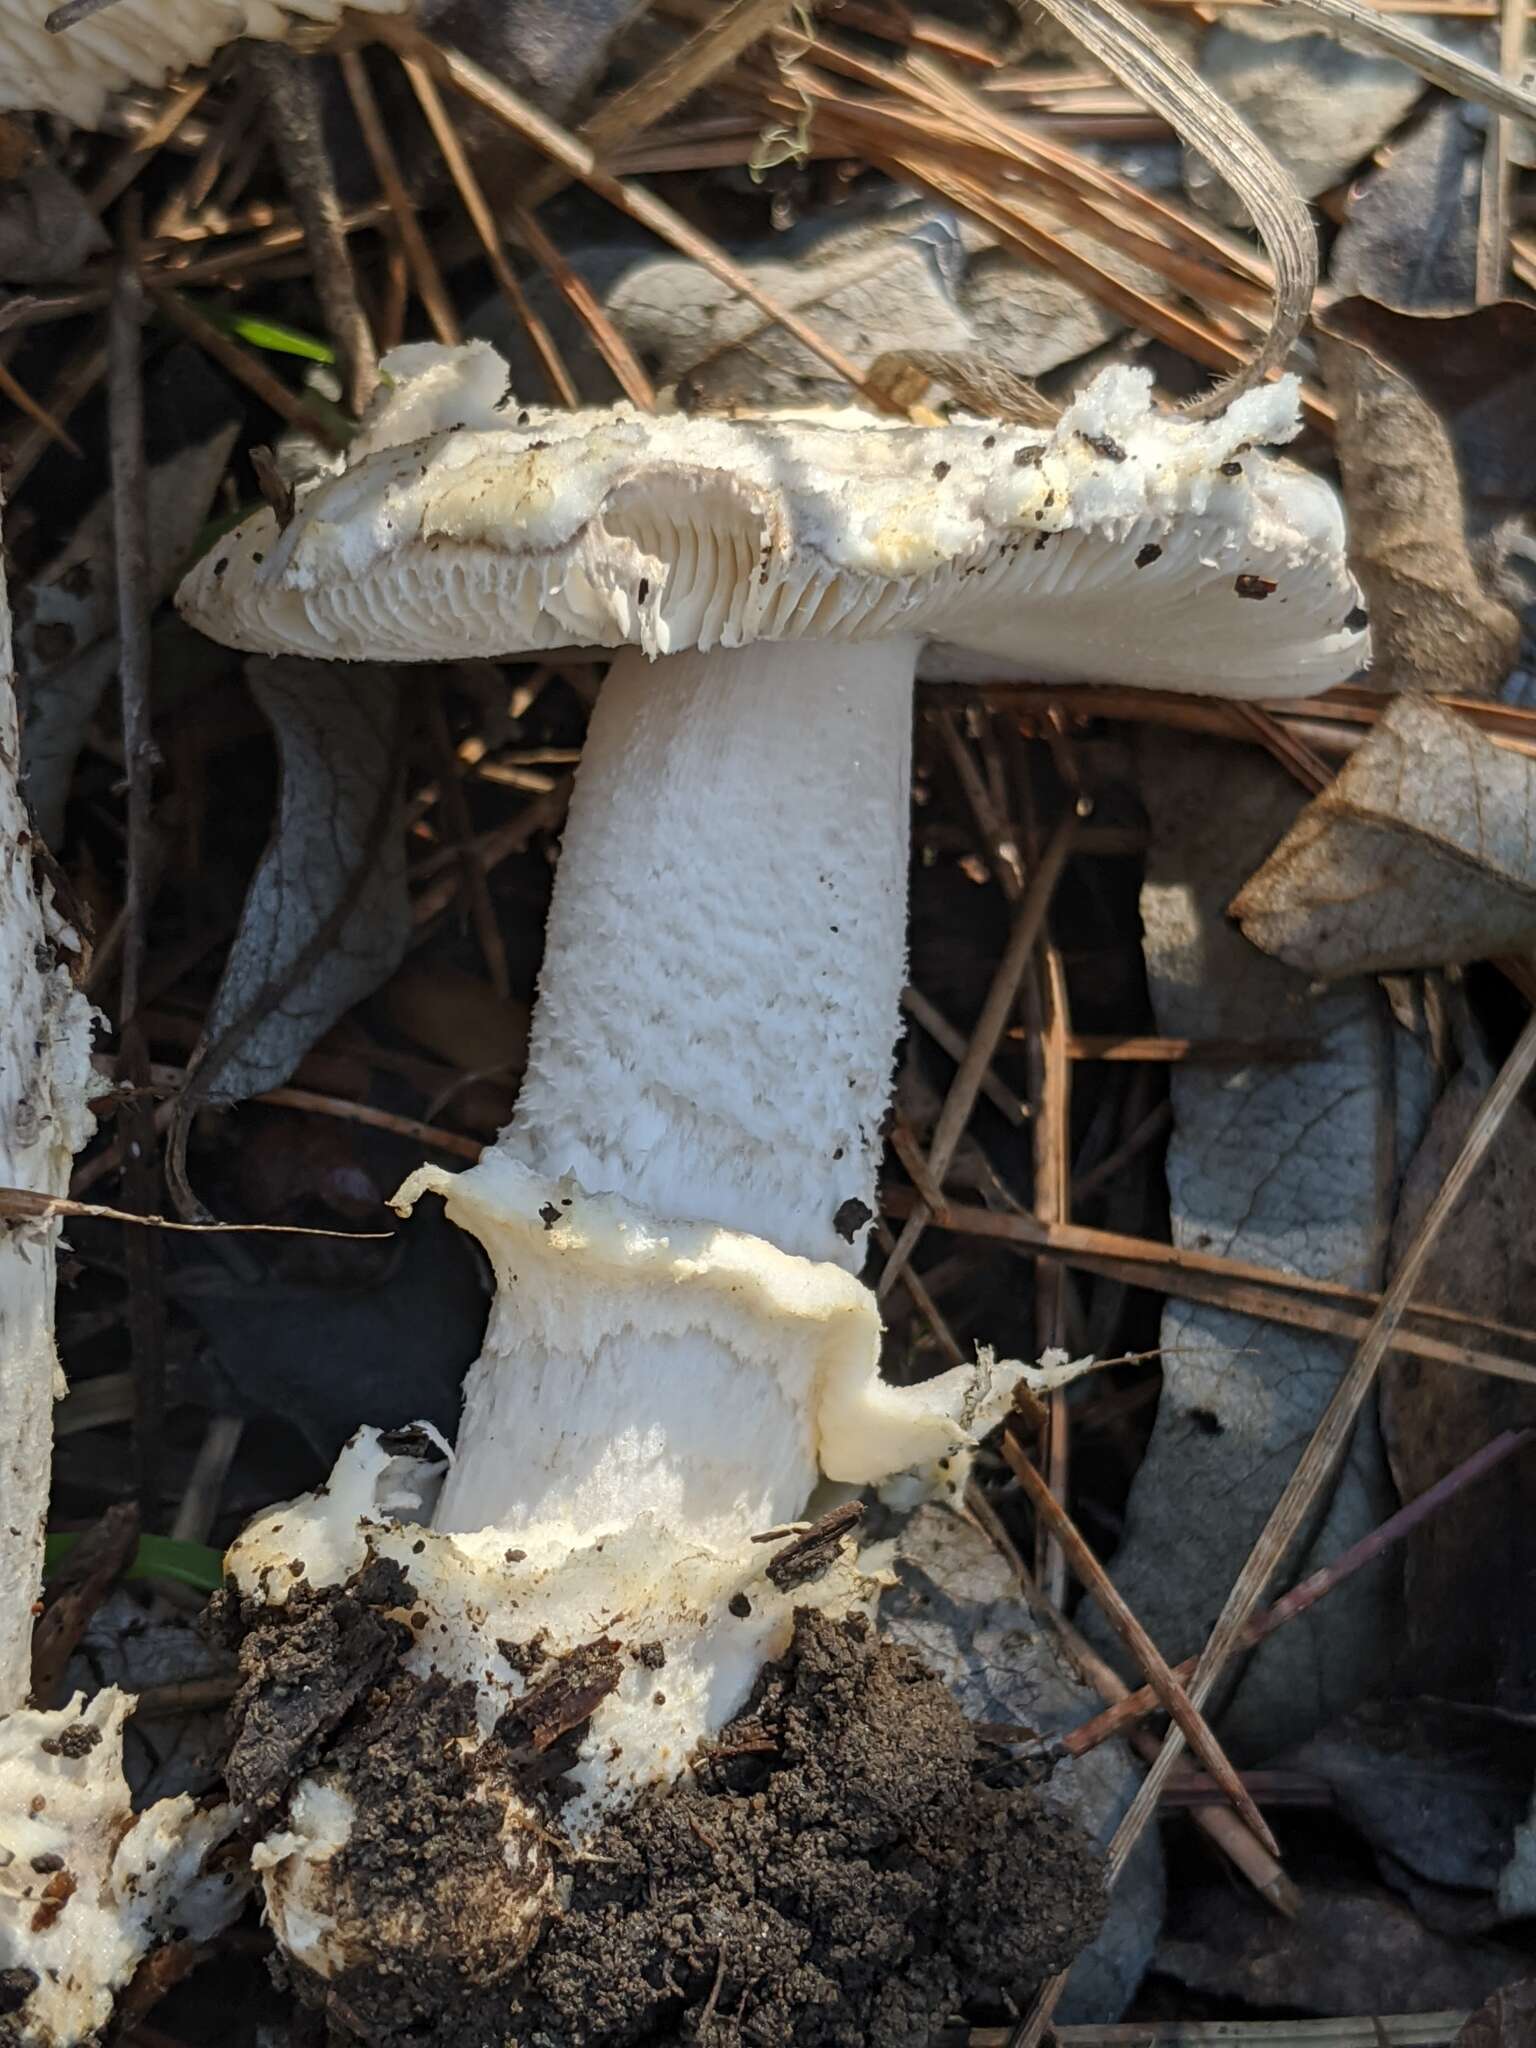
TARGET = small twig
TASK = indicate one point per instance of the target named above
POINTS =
(12, 388)
(542, 814)
(295, 123)
(1193, 1052)
(1052, 1203)
(1113, 1607)
(1390, 2030)
(135, 598)
(1316, 1464)
(966, 1086)
(25, 1205)
(948, 1039)
(1145, 1133)
(426, 276)
(483, 220)
(461, 832)
(81, 373)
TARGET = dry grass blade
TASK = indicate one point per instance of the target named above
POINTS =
(1354, 21)
(1165, 1683)
(1316, 1463)
(729, 31)
(558, 143)
(1139, 60)
(456, 157)
(426, 276)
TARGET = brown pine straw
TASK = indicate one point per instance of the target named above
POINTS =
(1314, 1468)
(1113, 1606)
(726, 34)
(456, 157)
(1125, 1713)
(425, 275)
(559, 144)
(1264, 1291)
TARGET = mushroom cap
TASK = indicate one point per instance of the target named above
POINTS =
(1126, 545)
(133, 42)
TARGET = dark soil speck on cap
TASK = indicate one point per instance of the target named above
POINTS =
(1253, 586)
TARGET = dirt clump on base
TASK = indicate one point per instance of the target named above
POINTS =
(845, 1866)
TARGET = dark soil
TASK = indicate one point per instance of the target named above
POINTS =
(845, 1867)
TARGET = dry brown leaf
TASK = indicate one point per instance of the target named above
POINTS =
(1434, 626)
(1420, 853)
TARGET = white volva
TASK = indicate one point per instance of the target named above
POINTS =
(679, 1350)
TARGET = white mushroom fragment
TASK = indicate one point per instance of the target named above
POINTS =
(134, 42)
(87, 1886)
(679, 1347)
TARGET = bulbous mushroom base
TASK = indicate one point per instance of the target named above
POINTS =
(843, 1865)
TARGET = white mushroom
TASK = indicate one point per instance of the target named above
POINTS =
(133, 42)
(87, 1886)
(679, 1348)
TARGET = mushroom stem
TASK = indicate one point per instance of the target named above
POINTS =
(712, 1043)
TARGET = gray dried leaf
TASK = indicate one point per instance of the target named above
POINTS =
(1289, 1165)
(955, 1603)
(66, 616)
(1436, 1788)
(1411, 236)
(1354, 1950)
(326, 918)
(1420, 853)
(47, 230)
(1320, 108)
(1433, 625)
